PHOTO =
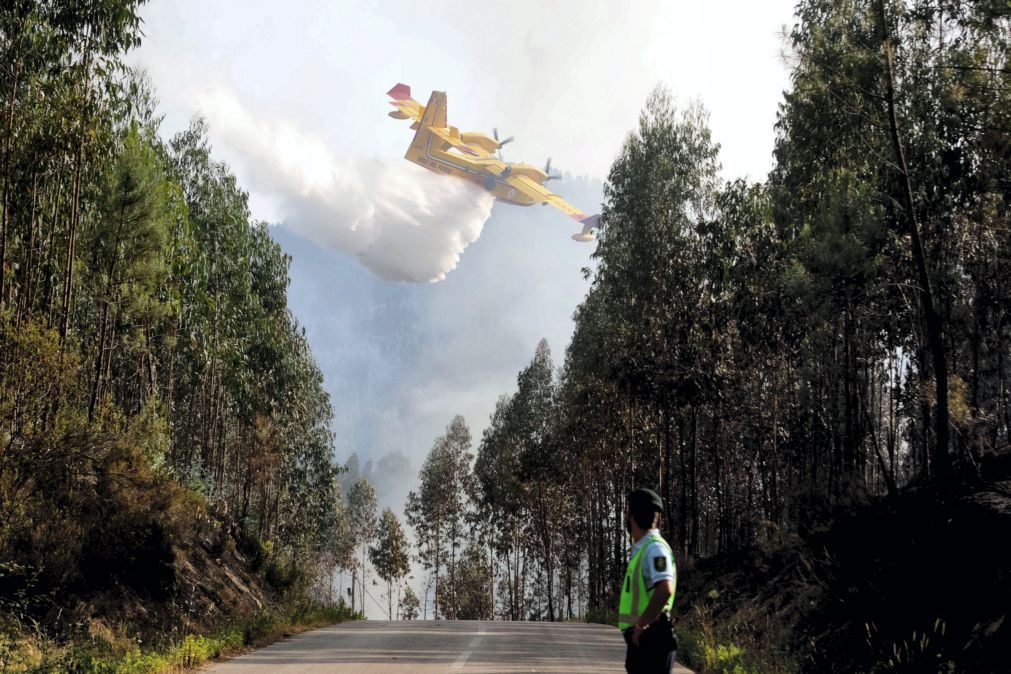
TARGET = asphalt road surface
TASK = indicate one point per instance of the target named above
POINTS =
(423, 647)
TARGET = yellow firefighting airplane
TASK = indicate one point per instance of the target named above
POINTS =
(476, 157)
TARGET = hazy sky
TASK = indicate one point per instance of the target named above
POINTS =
(294, 94)
(566, 78)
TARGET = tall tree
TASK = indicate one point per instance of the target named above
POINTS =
(391, 556)
(126, 248)
(437, 510)
(339, 546)
(362, 504)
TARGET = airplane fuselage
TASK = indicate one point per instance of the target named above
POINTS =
(433, 153)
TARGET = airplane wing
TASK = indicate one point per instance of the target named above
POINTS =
(542, 195)
(406, 107)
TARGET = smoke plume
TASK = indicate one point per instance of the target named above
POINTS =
(401, 221)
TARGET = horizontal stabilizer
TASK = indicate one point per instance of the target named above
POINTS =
(401, 92)
(406, 107)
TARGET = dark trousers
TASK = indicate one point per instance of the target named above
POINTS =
(655, 652)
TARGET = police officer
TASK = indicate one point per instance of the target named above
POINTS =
(647, 592)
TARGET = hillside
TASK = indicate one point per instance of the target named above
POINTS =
(113, 564)
(915, 583)
(160, 409)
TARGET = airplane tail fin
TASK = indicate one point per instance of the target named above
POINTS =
(590, 223)
(433, 115)
(435, 111)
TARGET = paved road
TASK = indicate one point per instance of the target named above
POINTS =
(424, 647)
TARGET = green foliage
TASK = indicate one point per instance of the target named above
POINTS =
(717, 658)
(191, 652)
(704, 648)
(390, 556)
(465, 595)
(521, 474)
(152, 378)
(254, 550)
(362, 504)
(282, 573)
(437, 510)
(409, 607)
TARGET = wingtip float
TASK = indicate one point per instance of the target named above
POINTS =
(477, 157)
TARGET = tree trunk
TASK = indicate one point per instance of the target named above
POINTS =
(354, 586)
(96, 384)
(438, 554)
(75, 203)
(933, 322)
(5, 208)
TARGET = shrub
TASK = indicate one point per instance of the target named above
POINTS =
(108, 655)
(602, 615)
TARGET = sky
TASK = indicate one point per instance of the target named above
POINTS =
(421, 298)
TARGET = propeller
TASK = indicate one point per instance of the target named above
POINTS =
(502, 142)
(547, 170)
(510, 139)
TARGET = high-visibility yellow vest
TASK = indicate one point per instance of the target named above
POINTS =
(634, 593)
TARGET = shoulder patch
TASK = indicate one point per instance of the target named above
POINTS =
(660, 563)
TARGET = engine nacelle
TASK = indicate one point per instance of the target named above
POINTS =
(529, 171)
(486, 143)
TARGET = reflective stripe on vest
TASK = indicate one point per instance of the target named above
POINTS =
(634, 593)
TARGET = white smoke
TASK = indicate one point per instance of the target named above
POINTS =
(401, 221)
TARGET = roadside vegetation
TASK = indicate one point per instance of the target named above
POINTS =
(779, 359)
(167, 484)
(118, 653)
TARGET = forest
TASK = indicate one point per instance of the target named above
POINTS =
(769, 355)
(160, 409)
(812, 370)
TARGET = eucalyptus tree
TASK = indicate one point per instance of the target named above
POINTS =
(541, 468)
(500, 501)
(362, 504)
(661, 188)
(390, 555)
(338, 549)
(68, 55)
(438, 510)
(761, 352)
